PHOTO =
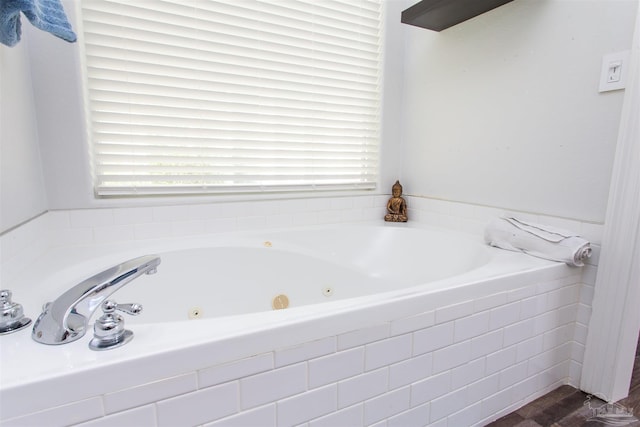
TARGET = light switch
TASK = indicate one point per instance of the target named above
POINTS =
(614, 71)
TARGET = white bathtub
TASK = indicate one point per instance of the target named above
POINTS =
(211, 303)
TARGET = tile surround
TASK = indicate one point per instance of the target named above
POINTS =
(462, 364)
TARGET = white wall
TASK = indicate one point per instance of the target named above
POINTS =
(22, 192)
(504, 110)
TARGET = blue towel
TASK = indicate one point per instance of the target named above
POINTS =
(47, 15)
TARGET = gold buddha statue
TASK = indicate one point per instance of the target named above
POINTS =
(396, 206)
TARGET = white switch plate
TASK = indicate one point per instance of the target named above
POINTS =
(613, 74)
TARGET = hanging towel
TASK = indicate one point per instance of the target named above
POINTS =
(538, 240)
(47, 15)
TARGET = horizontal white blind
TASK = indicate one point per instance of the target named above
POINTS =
(200, 96)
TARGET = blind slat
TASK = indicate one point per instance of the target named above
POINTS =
(221, 96)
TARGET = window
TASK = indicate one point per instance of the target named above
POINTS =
(204, 96)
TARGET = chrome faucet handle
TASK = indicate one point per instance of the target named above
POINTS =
(66, 318)
(109, 331)
(12, 318)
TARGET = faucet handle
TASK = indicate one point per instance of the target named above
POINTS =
(109, 331)
(132, 309)
(12, 316)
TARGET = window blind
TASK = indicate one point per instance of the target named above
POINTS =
(204, 96)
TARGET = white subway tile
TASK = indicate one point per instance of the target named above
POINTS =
(273, 385)
(468, 373)
(263, 416)
(141, 416)
(513, 374)
(199, 407)
(113, 234)
(329, 217)
(341, 203)
(81, 218)
(417, 416)
(363, 202)
(469, 416)
(433, 338)
(348, 417)
(363, 336)
(486, 344)
(387, 351)
(531, 307)
(558, 336)
(251, 222)
(305, 218)
(448, 404)
(149, 393)
(130, 216)
(549, 358)
(442, 422)
(504, 315)
(501, 359)
(577, 352)
(545, 322)
(72, 236)
(521, 293)
(387, 405)
(529, 348)
(496, 403)
(152, 230)
(471, 326)
(480, 389)
(490, 301)
(519, 331)
(586, 294)
(454, 311)
(73, 413)
(525, 390)
(575, 373)
(279, 220)
(235, 370)
(319, 204)
(555, 374)
(451, 356)
(431, 388)
(352, 215)
(171, 213)
(306, 406)
(58, 219)
(362, 387)
(221, 225)
(409, 371)
(413, 323)
(335, 367)
(306, 351)
(580, 334)
(188, 228)
(563, 296)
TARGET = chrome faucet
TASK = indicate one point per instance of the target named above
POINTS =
(65, 319)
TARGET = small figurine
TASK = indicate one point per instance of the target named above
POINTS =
(396, 206)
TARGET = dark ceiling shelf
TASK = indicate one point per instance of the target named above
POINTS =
(438, 15)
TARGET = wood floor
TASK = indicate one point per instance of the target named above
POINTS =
(569, 407)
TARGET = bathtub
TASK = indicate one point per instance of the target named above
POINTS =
(286, 298)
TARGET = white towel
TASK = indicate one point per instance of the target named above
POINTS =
(538, 240)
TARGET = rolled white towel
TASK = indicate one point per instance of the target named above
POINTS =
(538, 240)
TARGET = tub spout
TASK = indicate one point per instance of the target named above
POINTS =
(65, 319)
